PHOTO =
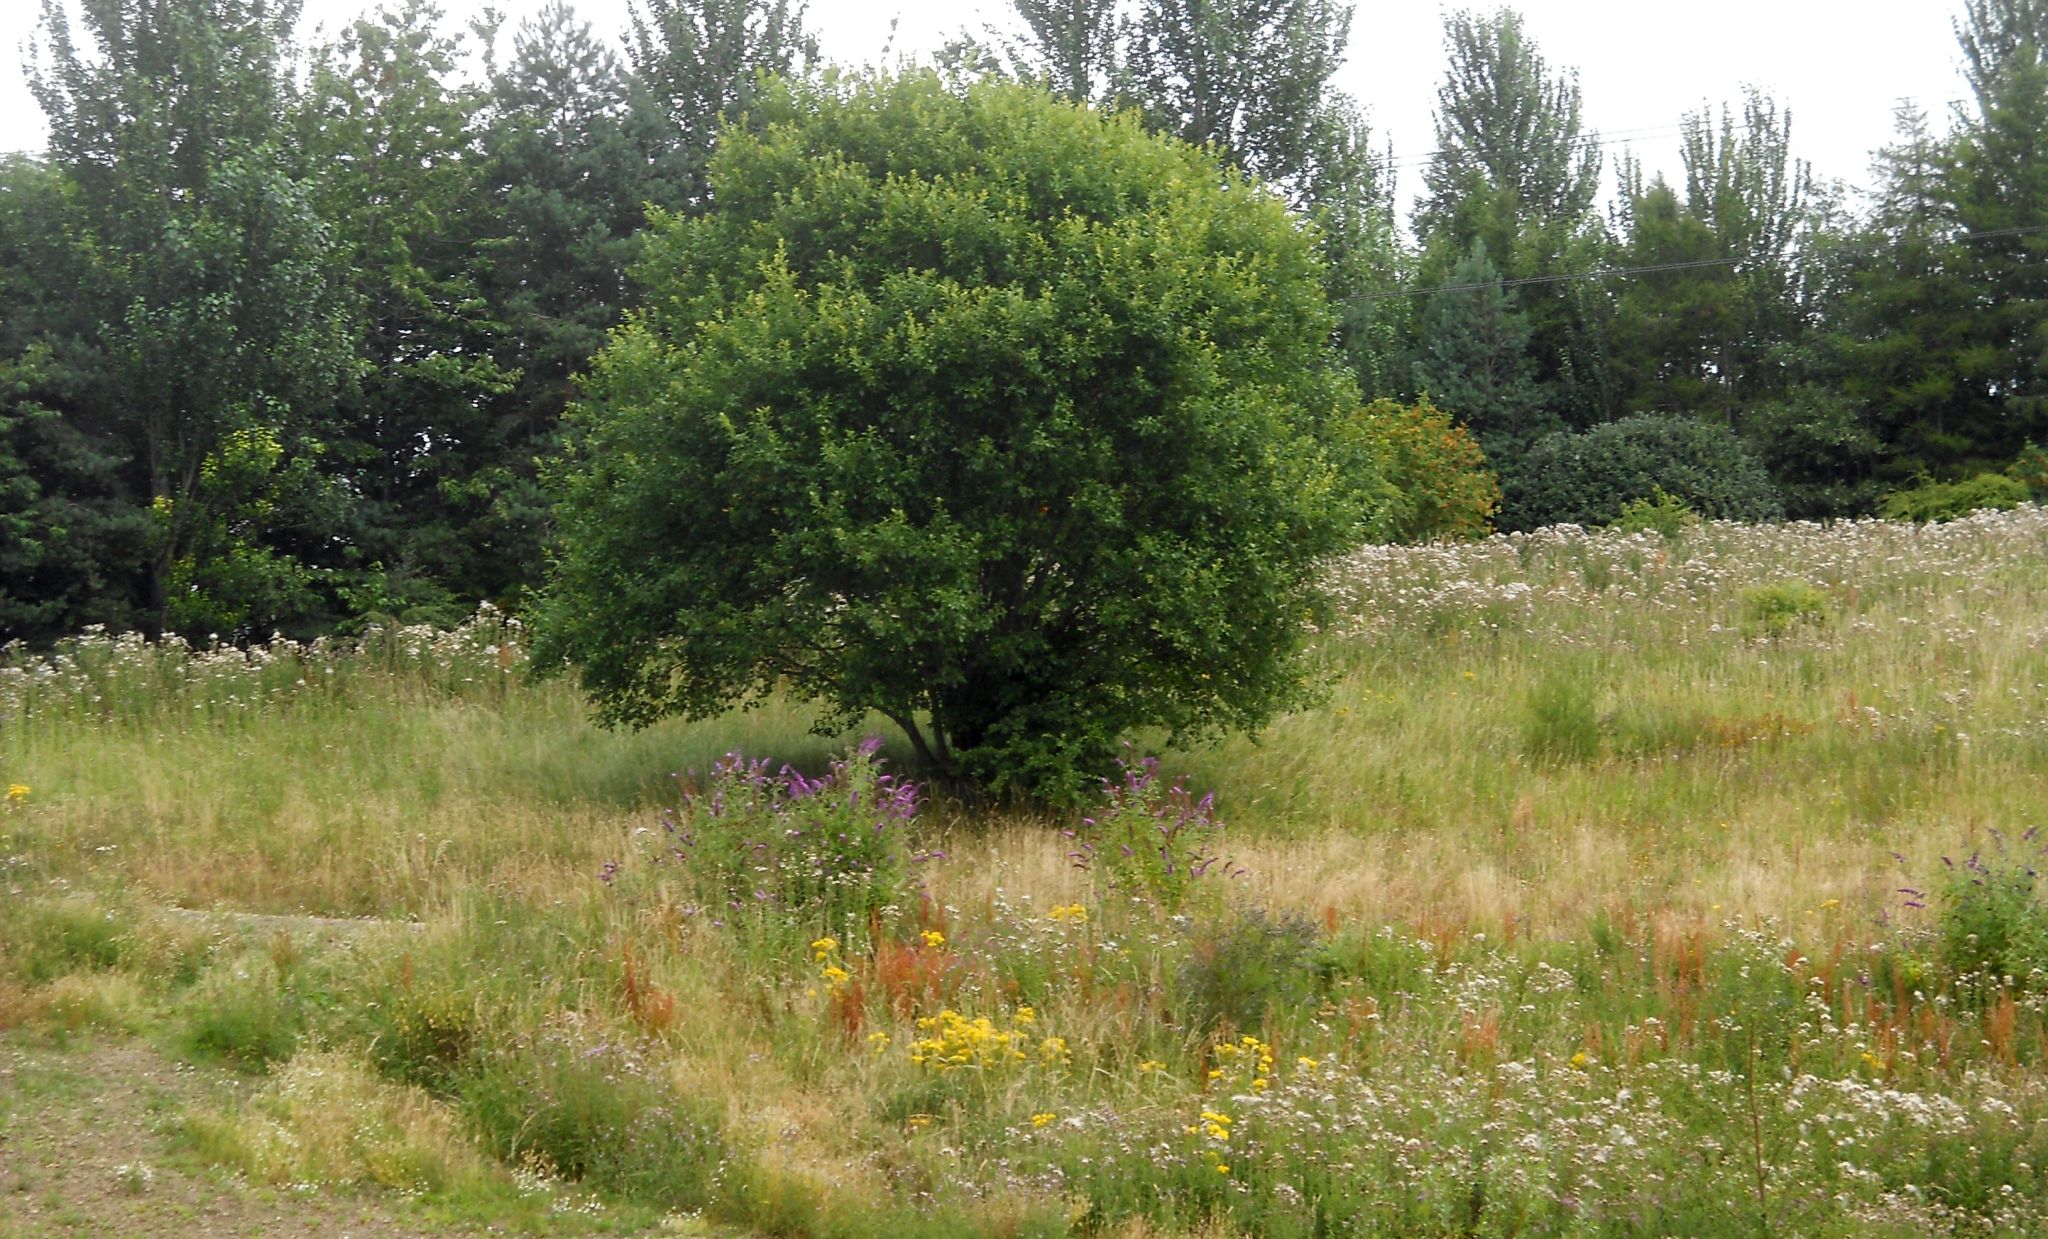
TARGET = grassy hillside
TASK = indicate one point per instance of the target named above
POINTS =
(1622, 885)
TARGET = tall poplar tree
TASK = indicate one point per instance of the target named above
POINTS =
(213, 332)
(701, 60)
(1515, 168)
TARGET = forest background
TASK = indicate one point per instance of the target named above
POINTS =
(285, 327)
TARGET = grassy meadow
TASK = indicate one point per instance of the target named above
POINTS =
(1622, 884)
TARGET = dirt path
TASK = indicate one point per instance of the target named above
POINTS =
(87, 1148)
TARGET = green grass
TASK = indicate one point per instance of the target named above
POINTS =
(1577, 907)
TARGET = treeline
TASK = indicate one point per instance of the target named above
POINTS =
(286, 331)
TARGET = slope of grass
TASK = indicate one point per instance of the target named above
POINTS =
(1604, 894)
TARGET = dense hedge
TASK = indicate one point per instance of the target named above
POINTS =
(1585, 478)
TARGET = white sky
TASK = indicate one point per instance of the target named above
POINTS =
(1840, 65)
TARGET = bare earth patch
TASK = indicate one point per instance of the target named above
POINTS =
(88, 1146)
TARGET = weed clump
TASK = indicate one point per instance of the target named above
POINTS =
(1778, 608)
(1994, 922)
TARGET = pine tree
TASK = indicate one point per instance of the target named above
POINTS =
(1474, 362)
(1999, 185)
(394, 136)
(1909, 326)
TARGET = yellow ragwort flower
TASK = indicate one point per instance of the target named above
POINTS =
(934, 938)
(17, 792)
(1043, 1118)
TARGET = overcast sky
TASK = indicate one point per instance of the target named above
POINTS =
(1840, 65)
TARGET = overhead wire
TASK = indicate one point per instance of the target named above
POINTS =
(1622, 272)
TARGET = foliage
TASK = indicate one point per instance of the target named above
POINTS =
(1585, 478)
(1947, 501)
(1820, 449)
(1151, 839)
(1662, 513)
(1994, 921)
(1777, 608)
(2031, 471)
(1474, 360)
(812, 856)
(702, 61)
(214, 330)
(972, 408)
(1513, 171)
(1439, 479)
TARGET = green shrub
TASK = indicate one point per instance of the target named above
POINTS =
(1773, 610)
(1587, 477)
(1820, 451)
(1662, 513)
(1006, 419)
(2031, 471)
(1946, 501)
(1436, 476)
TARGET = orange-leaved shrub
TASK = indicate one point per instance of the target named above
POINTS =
(1440, 484)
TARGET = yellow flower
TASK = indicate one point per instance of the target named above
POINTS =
(1026, 1015)
(1580, 1060)
(1222, 1169)
(1043, 1118)
(934, 938)
(878, 1040)
(1150, 1065)
(1305, 1063)
(834, 974)
(823, 948)
(1052, 1049)
(1073, 912)
(17, 792)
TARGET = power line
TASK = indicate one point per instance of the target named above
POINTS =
(1612, 137)
(1620, 272)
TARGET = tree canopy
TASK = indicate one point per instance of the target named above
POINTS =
(980, 410)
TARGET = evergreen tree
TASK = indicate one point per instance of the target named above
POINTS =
(1669, 323)
(1743, 184)
(1999, 186)
(1474, 362)
(1907, 332)
(571, 152)
(395, 137)
(1718, 300)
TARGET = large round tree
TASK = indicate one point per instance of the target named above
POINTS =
(991, 413)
